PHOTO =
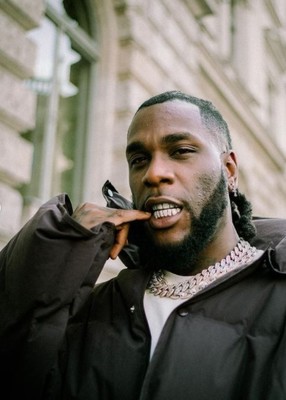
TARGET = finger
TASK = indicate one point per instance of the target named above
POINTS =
(123, 216)
(120, 240)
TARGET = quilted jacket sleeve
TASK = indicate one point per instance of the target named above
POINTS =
(46, 272)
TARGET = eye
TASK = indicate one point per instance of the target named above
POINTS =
(183, 151)
(137, 160)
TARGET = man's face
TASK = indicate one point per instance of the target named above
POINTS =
(174, 168)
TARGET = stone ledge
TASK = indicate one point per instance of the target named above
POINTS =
(11, 211)
(27, 13)
(17, 152)
(17, 52)
(17, 103)
(201, 8)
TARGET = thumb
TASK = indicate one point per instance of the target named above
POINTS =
(120, 240)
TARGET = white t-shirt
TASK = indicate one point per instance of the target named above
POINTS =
(158, 309)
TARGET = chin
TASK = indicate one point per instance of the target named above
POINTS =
(161, 241)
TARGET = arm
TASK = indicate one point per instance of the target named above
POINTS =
(46, 273)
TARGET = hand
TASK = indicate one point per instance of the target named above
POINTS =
(90, 215)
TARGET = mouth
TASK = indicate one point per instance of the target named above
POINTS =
(162, 208)
(169, 219)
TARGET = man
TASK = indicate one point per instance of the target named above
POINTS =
(199, 313)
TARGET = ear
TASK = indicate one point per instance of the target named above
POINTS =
(231, 169)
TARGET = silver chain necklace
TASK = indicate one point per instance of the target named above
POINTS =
(242, 253)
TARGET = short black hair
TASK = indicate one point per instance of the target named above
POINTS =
(211, 117)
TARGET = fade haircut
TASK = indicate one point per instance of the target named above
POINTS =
(211, 117)
(216, 125)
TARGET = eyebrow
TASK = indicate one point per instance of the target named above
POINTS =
(166, 140)
(176, 137)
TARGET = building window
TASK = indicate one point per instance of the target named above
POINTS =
(229, 29)
(64, 78)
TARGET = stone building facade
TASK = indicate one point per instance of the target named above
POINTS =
(72, 73)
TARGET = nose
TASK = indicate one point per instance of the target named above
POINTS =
(159, 172)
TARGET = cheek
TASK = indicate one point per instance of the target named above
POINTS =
(137, 189)
(135, 193)
(201, 191)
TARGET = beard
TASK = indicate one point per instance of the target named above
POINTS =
(182, 258)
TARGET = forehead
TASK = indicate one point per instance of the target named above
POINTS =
(166, 118)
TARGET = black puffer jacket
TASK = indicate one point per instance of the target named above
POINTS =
(62, 339)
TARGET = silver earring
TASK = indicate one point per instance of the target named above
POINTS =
(233, 189)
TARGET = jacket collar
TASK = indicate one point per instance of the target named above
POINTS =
(133, 283)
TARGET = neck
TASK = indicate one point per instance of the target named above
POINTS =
(239, 257)
(218, 248)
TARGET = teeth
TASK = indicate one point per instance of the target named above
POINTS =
(163, 210)
(161, 213)
(163, 206)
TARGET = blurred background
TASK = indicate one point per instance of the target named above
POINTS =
(73, 72)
